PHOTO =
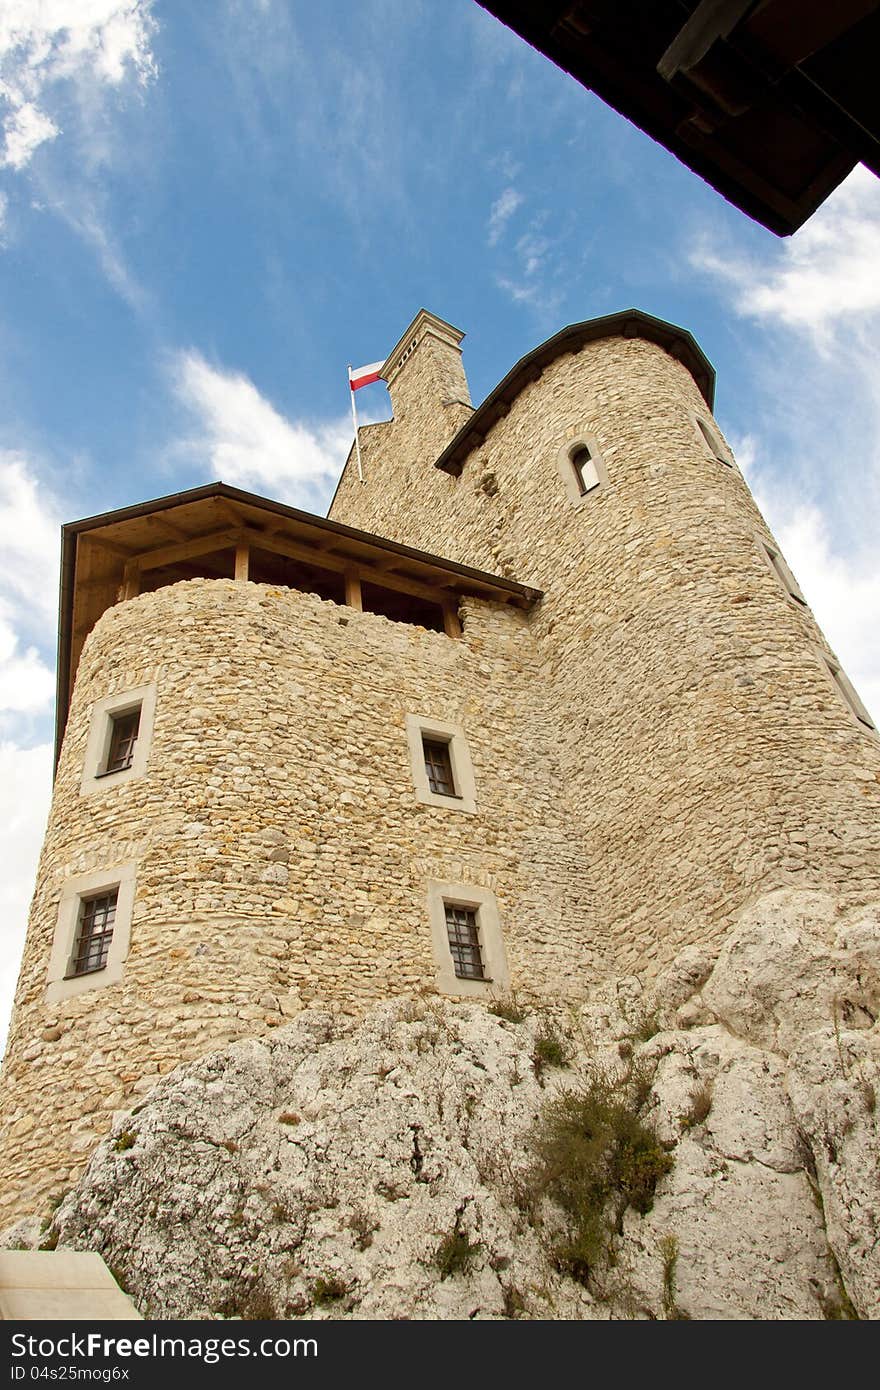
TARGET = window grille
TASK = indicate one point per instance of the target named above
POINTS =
(438, 766)
(97, 916)
(464, 942)
(123, 737)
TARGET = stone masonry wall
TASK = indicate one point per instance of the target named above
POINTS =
(282, 858)
(704, 742)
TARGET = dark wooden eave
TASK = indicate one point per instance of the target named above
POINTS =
(631, 323)
(97, 552)
(772, 102)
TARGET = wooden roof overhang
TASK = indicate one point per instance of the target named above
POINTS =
(631, 323)
(103, 557)
(771, 101)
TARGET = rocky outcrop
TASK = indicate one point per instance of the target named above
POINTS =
(386, 1168)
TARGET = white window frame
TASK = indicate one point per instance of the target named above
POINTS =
(569, 473)
(441, 731)
(60, 984)
(94, 777)
(483, 903)
(848, 695)
(709, 439)
(781, 572)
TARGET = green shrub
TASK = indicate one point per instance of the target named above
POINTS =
(594, 1158)
(328, 1288)
(454, 1253)
(125, 1140)
(550, 1049)
(508, 1009)
(699, 1107)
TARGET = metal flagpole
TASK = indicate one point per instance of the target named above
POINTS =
(357, 442)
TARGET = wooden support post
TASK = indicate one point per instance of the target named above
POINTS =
(353, 589)
(451, 621)
(131, 581)
(242, 562)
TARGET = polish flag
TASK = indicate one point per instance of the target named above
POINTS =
(364, 376)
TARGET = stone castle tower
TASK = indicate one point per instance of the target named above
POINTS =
(539, 702)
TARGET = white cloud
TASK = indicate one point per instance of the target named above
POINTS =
(28, 597)
(26, 129)
(249, 443)
(29, 540)
(813, 451)
(25, 786)
(89, 44)
(842, 588)
(27, 685)
(823, 277)
(501, 212)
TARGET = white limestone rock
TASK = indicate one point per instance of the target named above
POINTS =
(323, 1170)
(834, 1084)
(793, 964)
(310, 1174)
(24, 1234)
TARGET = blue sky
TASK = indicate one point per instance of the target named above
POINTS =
(208, 210)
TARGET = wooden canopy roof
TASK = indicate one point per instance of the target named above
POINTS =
(106, 559)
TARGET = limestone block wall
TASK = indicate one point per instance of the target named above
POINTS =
(281, 856)
(699, 733)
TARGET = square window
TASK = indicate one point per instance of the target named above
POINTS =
(97, 916)
(440, 764)
(92, 932)
(123, 738)
(464, 941)
(119, 739)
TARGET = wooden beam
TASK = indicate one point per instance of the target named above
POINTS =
(123, 551)
(185, 550)
(353, 589)
(168, 527)
(242, 561)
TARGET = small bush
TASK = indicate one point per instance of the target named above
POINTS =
(288, 1118)
(550, 1049)
(594, 1158)
(699, 1107)
(364, 1227)
(646, 1028)
(454, 1253)
(669, 1250)
(125, 1140)
(328, 1288)
(508, 1009)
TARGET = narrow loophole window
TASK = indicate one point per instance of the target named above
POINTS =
(585, 472)
(713, 444)
(464, 942)
(438, 767)
(850, 695)
(784, 574)
(97, 917)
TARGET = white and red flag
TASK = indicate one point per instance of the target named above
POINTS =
(364, 376)
(358, 377)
